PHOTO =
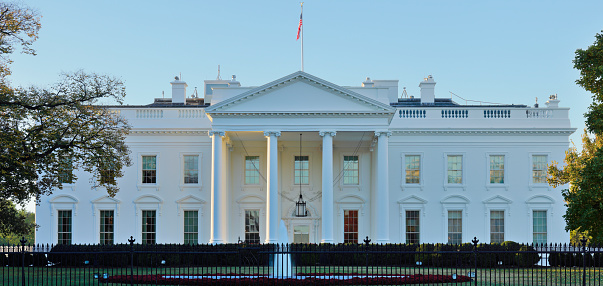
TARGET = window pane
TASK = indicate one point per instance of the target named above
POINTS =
(148, 227)
(252, 170)
(350, 170)
(455, 169)
(301, 234)
(497, 226)
(149, 169)
(106, 226)
(64, 227)
(455, 227)
(412, 227)
(191, 227)
(301, 172)
(413, 167)
(497, 169)
(252, 226)
(66, 174)
(350, 228)
(539, 165)
(191, 169)
(539, 227)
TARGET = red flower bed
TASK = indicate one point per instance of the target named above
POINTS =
(306, 279)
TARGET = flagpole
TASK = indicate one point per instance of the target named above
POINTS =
(302, 38)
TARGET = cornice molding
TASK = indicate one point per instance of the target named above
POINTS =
(301, 114)
(167, 132)
(566, 132)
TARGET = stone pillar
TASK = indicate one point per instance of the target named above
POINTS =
(272, 209)
(219, 199)
(382, 195)
(327, 186)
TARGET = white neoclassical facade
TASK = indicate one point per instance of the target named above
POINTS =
(231, 165)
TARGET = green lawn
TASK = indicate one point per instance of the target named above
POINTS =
(510, 276)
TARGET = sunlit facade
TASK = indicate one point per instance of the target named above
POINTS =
(229, 165)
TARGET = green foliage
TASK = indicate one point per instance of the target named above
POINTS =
(22, 224)
(576, 237)
(590, 64)
(49, 132)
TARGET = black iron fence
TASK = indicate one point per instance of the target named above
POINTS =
(508, 263)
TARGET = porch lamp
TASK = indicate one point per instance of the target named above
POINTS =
(300, 205)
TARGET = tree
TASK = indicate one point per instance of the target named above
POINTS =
(584, 170)
(46, 133)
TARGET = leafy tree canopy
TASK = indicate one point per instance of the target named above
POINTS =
(46, 133)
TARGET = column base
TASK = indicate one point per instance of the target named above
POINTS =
(327, 241)
(274, 241)
(216, 241)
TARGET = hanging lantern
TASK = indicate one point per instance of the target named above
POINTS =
(300, 205)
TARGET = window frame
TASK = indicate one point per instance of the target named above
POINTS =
(343, 170)
(448, 225)
(184, 232)
(454, 203)
(309, 170)
(547, 220)
(259, 230)
(505, 184)
(538, 186)
(59, 232)
(142, 232)
(149, 186)
(258, 167)
(454, 186)
(403, 183)
(418, 225)
(357, 225)
(496, 203)
(100, 217)
(410, 203)
(190, 186)
(504, 222)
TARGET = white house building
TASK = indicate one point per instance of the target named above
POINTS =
(367, 162)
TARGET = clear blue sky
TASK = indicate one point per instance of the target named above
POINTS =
(496, 51)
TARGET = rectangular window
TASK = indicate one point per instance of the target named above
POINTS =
(191, 227)
(413, 169)
(106, 227)
(350, 226)
(497, 169)
(539, 166)
(149, 227)
(301, 234)
(191, 169)
(497, 226)
(350, 170)
(64, 227)
(539, 225)
(252, 170)
(302, 173)
(412, 227)
(455, 169)
(66, 173)
(149, 169)
(252, 226)
(455, 227)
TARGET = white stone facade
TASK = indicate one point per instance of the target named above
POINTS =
(476, 161)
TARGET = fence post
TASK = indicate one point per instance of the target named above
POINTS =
(131, 241)
(366, 243)
(475, 241)
(23, 241)
(583, 240)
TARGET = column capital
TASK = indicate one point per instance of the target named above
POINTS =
(323, 133)
(272, 133)
(386, 133)
(215, 132)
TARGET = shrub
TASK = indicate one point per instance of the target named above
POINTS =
(526, 257)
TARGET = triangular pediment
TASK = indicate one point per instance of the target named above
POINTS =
(299, 93)
(498, 200)
(412, 200)
(190, 199)
(64, 199)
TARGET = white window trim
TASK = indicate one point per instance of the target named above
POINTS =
(505, 185)
(540, 203)
(496, 203)
(537, 186)
(192, 187)
(253, 187)
(353, 203)
(191, 203)
(454, 187)
(199, 215)
(350, 186)
(62, 203)
(455, 203)
(148, 203)
(252, 202)
(139, 184)
(105, 203)
(309, 170)
(420, 185)
(411, 203)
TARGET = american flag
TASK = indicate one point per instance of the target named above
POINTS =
(299, 27)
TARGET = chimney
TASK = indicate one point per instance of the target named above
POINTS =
(553, 102)
(233, 82)
(428, 91)
(178, 91)
(368, 82)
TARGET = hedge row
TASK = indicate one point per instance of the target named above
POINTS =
(575, 259)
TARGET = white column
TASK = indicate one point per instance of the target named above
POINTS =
(327, 185)
(218, 190)
(272, 209)
(382, 195)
